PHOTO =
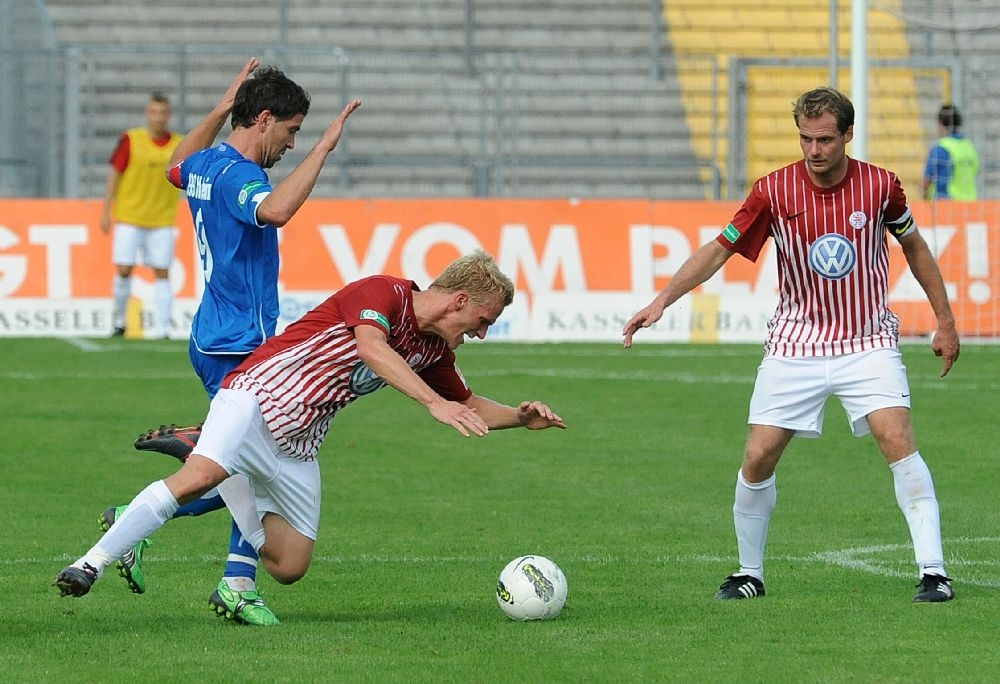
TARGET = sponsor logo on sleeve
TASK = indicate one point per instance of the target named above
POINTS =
(731, 233)
(370, 315)
(249, 190)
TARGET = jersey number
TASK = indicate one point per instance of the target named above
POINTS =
(203, 249)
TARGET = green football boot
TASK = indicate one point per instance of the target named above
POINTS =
(242, 607)
(130, 565)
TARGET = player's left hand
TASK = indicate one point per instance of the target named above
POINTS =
(945, 344)
(336, 128)
(535, 415)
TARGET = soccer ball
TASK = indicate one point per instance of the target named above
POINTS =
(531, 588)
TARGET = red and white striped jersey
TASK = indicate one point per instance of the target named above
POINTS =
(832, 255)
(302, 377)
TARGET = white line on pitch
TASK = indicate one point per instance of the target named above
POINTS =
(849, 558)
(82, 344)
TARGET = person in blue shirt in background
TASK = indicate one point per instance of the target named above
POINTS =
(952, 168)
(236, 213)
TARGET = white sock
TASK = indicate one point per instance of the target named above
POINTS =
(121, 289)
(242, 504)
(164, 297)
(752, 509)
(147, 513)
(916, 498)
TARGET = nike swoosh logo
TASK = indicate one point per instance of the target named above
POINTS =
(789, 217)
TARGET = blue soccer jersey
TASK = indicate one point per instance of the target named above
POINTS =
(239, 256)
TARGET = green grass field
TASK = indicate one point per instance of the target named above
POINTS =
(633, 501)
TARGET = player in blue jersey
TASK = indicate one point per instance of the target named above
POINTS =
(236, 212)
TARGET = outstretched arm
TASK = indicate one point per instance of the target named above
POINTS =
(287, 196)
(925, 269)
(698, 268)
(533, 415)
(374, 350)
(203, 135)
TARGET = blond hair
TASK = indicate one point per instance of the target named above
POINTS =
(477, 274)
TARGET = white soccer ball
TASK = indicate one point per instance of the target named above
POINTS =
(531, 588)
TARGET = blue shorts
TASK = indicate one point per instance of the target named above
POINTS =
(212, 368)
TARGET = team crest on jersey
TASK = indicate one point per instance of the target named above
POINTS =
(363, 380)
(832, 256)
(858, 220)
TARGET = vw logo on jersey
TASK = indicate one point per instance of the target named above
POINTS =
(364, 381)
(832, 256)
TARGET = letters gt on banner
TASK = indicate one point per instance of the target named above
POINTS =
(582, 267)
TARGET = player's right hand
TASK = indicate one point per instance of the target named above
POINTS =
(230, 97)
(644, 318)
(460, 417)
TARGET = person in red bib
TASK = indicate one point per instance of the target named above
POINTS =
(142, 206)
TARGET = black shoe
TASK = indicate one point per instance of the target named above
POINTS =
(74, 581)
(740, 587)
(170, 440)
(118, 332)
(934, 589)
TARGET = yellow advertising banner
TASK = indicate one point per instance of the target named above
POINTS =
(582, 267)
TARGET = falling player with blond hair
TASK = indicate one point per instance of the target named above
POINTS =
(272, 413)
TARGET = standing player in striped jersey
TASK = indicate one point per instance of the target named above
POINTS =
(832, 332)
(274, 410)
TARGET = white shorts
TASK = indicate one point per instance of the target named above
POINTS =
(792, 392)
(236, 437)
(155, 244)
